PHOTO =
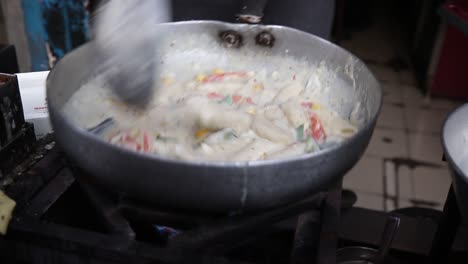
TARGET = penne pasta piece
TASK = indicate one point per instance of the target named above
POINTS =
(228, 148)
(266, 129)
(287, 92)
(256, 150)
(294, 112)
(216, 117)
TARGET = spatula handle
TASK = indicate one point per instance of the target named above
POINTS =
(252, 11)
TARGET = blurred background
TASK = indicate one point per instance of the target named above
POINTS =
(418, 49)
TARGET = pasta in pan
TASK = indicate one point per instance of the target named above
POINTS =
(220, 116)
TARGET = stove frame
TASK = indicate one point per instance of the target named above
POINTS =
(206, 239)
(317, 226)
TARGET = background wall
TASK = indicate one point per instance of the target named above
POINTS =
(16, 35)
(3, 38)
(43, 31)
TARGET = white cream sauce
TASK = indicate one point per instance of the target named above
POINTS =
(219, 116)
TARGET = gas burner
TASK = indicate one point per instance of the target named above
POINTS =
(213, 233)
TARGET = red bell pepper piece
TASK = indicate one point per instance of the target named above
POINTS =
(236, 99)
(215, 95)
(316, 130)
(249, 100)
(146, 142)
(128, 142)
(217, 77)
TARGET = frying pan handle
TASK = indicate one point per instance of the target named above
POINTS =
(252, 11)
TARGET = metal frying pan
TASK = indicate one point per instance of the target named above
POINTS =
(221, 186)
(455, 144)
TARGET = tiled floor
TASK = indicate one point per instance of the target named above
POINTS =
(403, 163)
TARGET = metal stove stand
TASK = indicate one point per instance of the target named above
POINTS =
(61, 220)
(33, 236)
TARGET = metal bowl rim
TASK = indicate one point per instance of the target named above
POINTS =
(446, 150)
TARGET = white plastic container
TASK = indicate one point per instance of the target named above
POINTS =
(32, 87)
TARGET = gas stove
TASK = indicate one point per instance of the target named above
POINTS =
(60, 219)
